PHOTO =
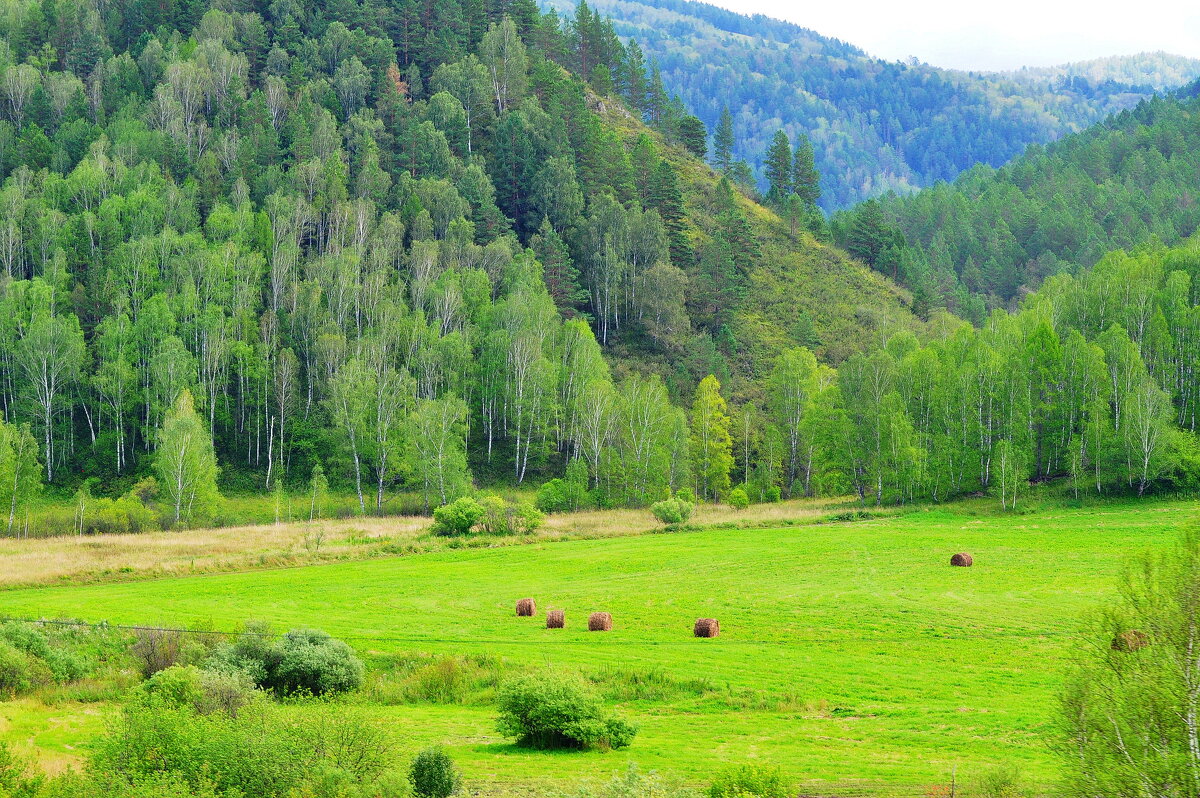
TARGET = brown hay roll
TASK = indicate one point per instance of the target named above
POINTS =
(1130, 640)
(556, 619)
(706, 627)
(600, 622)
(526, 608)
(962, 560)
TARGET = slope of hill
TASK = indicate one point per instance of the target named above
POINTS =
(336, 228)
(994, 234)
(875, 125)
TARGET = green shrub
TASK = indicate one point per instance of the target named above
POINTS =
(750, 780)
(566, 495)
(15, 781)
(672, 511)
(773, 494)
(552, 497)
(309, 660)
(65, 665)
(738, 499)
(457, 517)
(202, 690)
(249, 653)
(551, 711)
(301, 661)
(265, 751)
(526, 519)
(1001, 781)
(178, 686)
(19, 672)
(433, 774)
(509, 518)
(124, 515)
(495, 515)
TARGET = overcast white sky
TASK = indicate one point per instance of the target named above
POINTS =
(973, 34)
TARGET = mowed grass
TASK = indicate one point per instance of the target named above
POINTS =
(851, 654)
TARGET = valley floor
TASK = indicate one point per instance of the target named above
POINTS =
(851, 654)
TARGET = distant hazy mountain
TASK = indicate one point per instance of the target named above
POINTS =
(875, 125)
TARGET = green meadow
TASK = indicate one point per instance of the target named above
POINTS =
(851, 654)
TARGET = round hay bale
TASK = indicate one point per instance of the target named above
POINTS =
(1130, 640)
(526, 608)
(600, 622)
(706, 627)
(556, 619)
(962, 560)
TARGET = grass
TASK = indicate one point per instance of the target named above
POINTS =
(69, 558)
(851, 654)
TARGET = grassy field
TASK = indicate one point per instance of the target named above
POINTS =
(851, 654)
(72, 558)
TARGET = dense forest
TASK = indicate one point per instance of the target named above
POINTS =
(993, 235)
(407, 249)
(393, 244)
(876, 126)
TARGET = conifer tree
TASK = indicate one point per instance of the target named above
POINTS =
(723, 143)
(806, 181)
(778, 167)
(667, 198)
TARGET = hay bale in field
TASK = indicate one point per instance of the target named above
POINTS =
(962, 560)
(706, 627)
(556, 619)
(600, 622)
(1130, 640)
(526, 608)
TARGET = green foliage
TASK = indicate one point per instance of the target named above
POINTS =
(302, 661)
(1117, 687)
(672, 511)
(262, 750)
(186, 464)
(711, 445)
(205, 691)
(568, 494)
(995, 234)
(509, 518)
(19, 672)
(551, 710)
(458, 517)
(34, 655)
(738, 499)
(434, 775)
(310, 661)
(750, 780)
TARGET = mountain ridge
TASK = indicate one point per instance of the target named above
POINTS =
(876, 125)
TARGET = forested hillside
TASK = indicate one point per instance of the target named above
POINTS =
(993, 235)
(383, 246)
(876, 126)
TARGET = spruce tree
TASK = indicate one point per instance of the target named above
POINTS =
(806, 181)
(693, 135)
(778, 166)
(667, 198)
(723, 143)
